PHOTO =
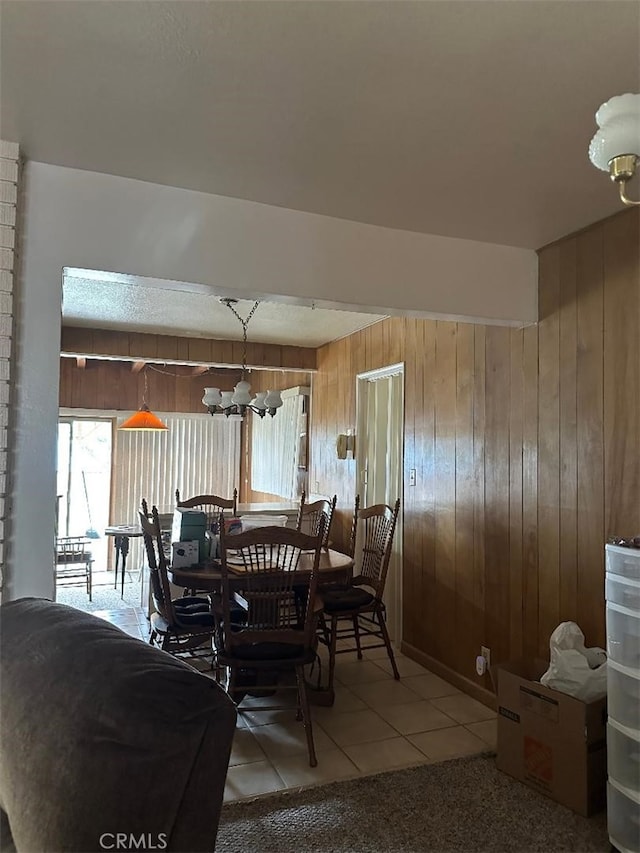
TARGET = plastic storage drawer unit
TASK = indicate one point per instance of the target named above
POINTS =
(623, 635)
(623, 756)
(623, 591)
(623, 818)
(623, 695)
(623, 561)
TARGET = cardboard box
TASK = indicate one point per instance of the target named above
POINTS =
(189, 524)
(549, 740)
(184, 554)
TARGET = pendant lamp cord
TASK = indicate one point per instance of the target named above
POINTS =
(244, 322)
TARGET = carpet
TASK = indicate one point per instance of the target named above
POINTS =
(460, 805)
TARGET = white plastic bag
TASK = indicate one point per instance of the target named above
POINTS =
(573, 669)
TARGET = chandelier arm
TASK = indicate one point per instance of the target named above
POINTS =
(622, 185)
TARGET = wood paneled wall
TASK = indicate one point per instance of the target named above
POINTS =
(139, 347)
(527, 449)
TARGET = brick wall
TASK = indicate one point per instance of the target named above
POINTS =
(9, 171)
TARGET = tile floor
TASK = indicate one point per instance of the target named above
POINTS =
(375, 724)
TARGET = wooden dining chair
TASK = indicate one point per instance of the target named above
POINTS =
(212, 505)
(262, 569)
(311, 514)
(360, 601)
(177, 625)
(74, 562)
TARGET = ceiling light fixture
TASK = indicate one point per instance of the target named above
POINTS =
(237, 402)
(144, 419)
(616, 146)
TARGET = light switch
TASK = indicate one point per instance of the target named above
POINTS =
(412, 477)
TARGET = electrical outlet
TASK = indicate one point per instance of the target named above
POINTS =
(486, 654)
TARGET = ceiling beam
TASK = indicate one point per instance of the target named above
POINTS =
(142, 348)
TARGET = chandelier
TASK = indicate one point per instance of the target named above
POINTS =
(237, 402)
(616, 146)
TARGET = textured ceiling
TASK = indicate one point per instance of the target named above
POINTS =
(129, 303)
(467, 119)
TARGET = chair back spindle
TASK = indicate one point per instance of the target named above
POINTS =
(261, 569)
(311, 514)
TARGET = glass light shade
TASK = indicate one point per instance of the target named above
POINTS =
(212, 397)
(273, 400)
(143, 419)
(619, 123)
(241, 394)
(225, 399)
(258, 401)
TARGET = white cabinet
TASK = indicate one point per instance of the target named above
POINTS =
(623, 697)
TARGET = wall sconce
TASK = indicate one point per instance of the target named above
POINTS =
(616, 146)
(345, 445)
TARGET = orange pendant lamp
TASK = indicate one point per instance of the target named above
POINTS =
(144, 419)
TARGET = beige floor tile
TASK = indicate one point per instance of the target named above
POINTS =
(345, 700)
(358, 672)
(406, 666)
(464, 709)
(383, 693)
(379, 653)
(280, 708)
(387, 755)
(278, 741)
(430, 686)
(245, 749)
(254, 717)
(447, 743)
(415, 717)
(117, 617)
(354, 727)
(332, 764)
(132, 631)
(249, 780)
(487, 730)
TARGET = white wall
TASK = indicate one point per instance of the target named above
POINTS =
(84, 219)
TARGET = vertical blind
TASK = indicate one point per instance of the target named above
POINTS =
(275, 444)
(198, 454)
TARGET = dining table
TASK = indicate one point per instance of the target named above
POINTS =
(333, 567)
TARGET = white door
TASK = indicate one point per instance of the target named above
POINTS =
(379, 452)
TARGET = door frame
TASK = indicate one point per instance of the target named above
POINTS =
(393, 591)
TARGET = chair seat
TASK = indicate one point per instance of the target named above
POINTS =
(186, 623)
(268, 653)
(191, 604)
(344, 599)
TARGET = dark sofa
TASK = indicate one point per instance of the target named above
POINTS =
(106, 743)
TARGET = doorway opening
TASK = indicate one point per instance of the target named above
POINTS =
(379, 460)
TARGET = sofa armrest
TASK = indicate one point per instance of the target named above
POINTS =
(103, 733)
